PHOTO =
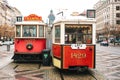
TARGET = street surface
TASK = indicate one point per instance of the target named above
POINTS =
(5, 56)
(107, 67)
(108, 61)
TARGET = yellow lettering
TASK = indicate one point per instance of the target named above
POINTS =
(78, 55)
(73, 55)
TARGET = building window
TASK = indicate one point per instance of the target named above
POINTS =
(118, 15)
(117, 21)
(117, 7)
(19, 18)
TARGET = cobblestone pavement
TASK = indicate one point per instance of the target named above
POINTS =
(5, 56)
(28, 71)
(108, 62)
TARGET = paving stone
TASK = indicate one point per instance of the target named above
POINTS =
(108, 64)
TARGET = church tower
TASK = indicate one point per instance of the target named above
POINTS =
(51, 17)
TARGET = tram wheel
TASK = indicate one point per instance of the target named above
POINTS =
(83, 69)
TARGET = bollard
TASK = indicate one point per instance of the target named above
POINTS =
(8, 47)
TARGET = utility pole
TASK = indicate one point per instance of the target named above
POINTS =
(61, 11)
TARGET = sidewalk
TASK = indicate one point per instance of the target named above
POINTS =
(5, 56)
(108, 61)
(5, 59)
(116, 45)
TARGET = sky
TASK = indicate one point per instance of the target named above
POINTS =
(43, 7)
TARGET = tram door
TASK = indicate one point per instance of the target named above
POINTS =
(77, 34)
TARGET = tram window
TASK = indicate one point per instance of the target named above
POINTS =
(29, 31)
(81, 34)
(18, 31)
(41, 31)
(57, 34)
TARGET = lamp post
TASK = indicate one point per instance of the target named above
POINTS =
(5, 35)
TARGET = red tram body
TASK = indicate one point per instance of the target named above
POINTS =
(73, 42)
(21, 46)
(30, 39)
(73, 45)
(66, 57)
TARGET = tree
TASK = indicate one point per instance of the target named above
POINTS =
(6, 31)
(106, 31)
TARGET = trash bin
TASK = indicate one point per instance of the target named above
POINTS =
(46, 57)
(8, 47)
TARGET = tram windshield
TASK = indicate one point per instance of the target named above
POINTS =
(29, 31)
(78, 34)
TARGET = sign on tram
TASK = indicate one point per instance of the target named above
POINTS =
(90, 13)
(32, 17)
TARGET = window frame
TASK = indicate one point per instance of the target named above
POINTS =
(28, 27)
(80, 35)
(42, 26)
(17, 30)
(57, 34)
(117, 8)
(118, 22)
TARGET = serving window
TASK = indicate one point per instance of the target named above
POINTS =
(75, 33)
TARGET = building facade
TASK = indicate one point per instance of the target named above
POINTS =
(107, 18)
(7, 19)
(8, 13)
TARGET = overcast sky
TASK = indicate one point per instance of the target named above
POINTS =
(43, 7)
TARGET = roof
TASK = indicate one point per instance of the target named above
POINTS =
(77, 19)
(30, 23)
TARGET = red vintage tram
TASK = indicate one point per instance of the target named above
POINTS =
(73, 45)
(30, 40)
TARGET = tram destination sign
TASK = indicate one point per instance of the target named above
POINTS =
(32, 17)
(91, 13)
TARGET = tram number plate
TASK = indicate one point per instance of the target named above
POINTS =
(78, 55)
(78, 46)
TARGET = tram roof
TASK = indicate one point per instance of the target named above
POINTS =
(30, 23)
(75, 19)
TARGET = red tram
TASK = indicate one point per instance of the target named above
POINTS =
(30, 40)
(73, 45)
(73, 42)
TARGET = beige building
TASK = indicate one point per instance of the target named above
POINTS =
(107, 17)
(7, 20)
(8, 13)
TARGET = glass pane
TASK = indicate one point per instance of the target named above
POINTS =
(41, 31)
(78, 34)
(18, 31)
(57, 34)
(29, 31)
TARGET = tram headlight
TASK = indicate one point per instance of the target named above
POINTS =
(29, 46)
